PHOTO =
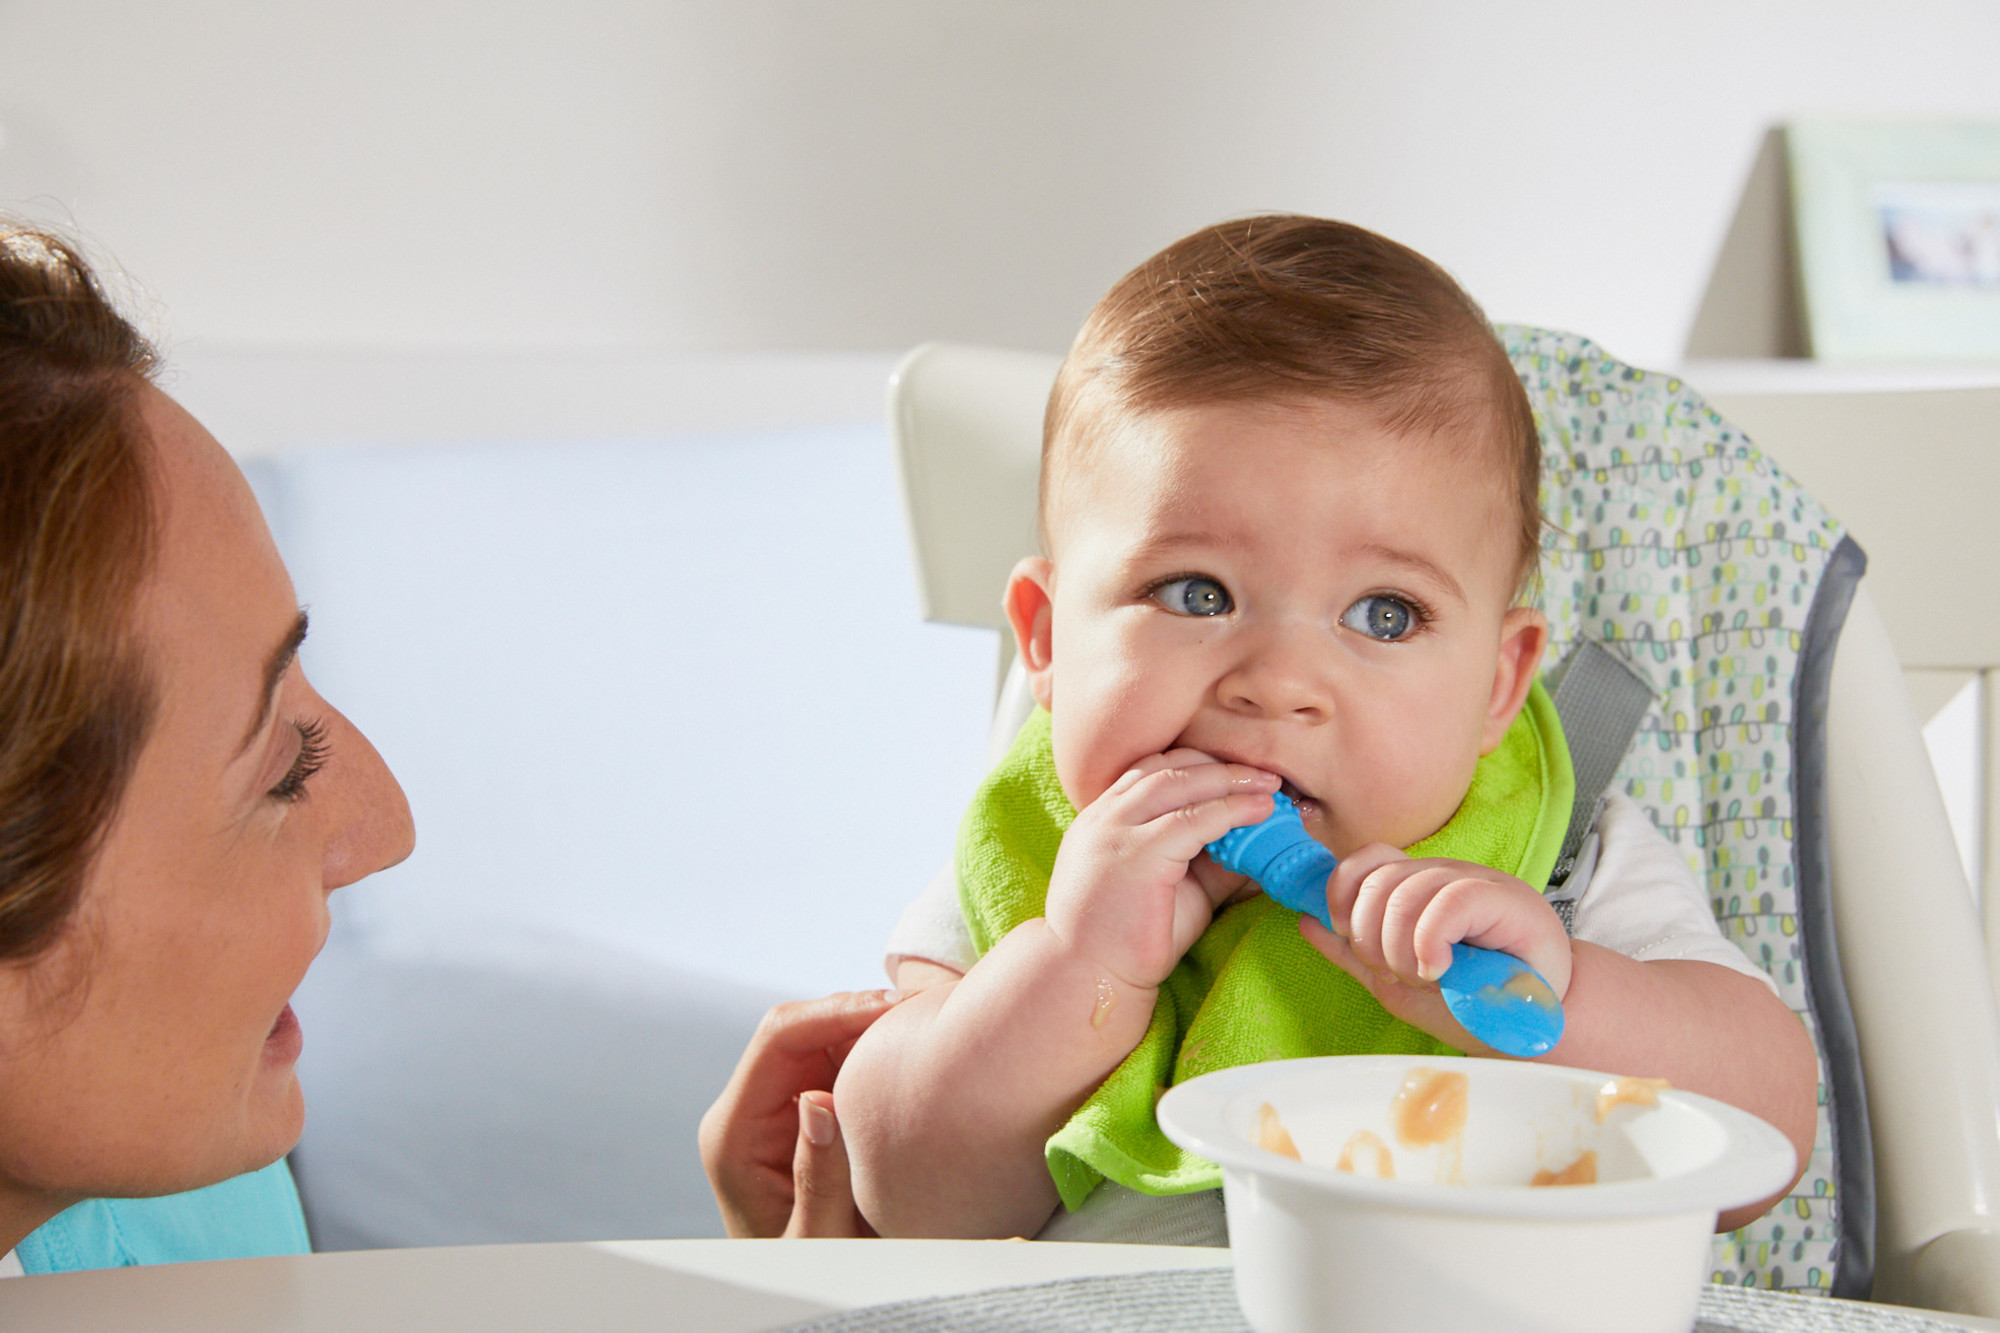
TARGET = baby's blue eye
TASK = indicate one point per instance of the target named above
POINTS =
(1196, 596)
(1380, 617)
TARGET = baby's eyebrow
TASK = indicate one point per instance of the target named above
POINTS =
(1159, 543)
(1420, 564)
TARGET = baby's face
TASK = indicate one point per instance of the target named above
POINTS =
(1288, 586)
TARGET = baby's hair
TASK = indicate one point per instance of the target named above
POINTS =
(1283, 306)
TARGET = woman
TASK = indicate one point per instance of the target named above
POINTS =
(176, 804)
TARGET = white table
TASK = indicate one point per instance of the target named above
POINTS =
(702, 1286)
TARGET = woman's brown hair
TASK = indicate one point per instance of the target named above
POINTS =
(77, 534)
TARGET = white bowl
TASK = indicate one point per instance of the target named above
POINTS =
(1316, 1248)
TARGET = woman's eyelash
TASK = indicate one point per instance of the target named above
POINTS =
(314, 749)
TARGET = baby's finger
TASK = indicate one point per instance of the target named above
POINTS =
(1186, 756)
(1221, 886)
(1130, 778)
(1369, 907)
(1421, 1007)
(1494, 916)
(1181, 757)
(1166, 790)
(1335, 947)
(1184, 831)
(1340, 952)
(1345, 882)
(1402, 916)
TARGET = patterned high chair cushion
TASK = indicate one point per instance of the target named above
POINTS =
(1680, 546)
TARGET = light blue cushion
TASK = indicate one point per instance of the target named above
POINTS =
(247, 1217)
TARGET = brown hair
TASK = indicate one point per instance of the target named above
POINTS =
(77, 534)
(1282, 305)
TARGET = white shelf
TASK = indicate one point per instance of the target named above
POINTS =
(1748, 375)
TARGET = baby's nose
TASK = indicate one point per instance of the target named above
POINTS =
(1281, 680)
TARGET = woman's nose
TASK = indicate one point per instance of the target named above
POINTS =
(372, 828)
(1280, 675)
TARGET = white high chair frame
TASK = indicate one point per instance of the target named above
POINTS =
(967, 422)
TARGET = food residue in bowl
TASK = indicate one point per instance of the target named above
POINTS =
(1430, 1108)
(1583, 1171)
(1428, 1112)
(1629, 1092)
(1271, 1133)
(1368, 1142)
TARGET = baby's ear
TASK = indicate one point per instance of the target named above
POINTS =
(1030, 605)
(1524, 636)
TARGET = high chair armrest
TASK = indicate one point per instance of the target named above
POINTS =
(1959, 1272)
(1914, 963)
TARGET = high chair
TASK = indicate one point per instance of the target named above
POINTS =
(1901, 1197)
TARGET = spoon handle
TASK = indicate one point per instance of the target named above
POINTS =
(1494, 996)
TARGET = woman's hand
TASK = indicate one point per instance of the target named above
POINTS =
(770, 1143)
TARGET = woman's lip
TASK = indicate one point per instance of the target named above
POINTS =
(286, 1039)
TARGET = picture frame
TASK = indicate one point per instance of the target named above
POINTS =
(1897, 227)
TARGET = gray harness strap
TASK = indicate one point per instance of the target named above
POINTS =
(1601, 702)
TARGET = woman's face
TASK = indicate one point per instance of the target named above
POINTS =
(153, 1049)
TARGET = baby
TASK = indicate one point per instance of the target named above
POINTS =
(1289, 499)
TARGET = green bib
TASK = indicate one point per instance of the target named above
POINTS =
(1251, 988)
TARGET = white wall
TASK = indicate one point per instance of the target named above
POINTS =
(797, 174)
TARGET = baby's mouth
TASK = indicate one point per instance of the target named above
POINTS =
(1309, 807)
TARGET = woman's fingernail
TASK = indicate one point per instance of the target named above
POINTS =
(896, 996)
(818, 1122)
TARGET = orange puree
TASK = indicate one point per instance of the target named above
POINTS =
(1637, 1091)
(1430, 1109)
(1364, 1141)
(1527, 986)
(1271, 1135)
(1107, 999)
(1583, 1171)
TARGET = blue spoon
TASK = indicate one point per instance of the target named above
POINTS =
(1494, 996)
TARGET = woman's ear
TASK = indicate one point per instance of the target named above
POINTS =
(1524, 637)
(1030, 607)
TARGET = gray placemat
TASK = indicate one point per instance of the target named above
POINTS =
(1203, 1300)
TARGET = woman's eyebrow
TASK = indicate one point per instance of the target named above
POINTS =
(275, 666)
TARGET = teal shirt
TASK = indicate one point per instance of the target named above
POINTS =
(253, 1215)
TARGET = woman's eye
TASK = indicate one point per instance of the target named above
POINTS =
(1380, 617)
(313, 751)
(1195, 596)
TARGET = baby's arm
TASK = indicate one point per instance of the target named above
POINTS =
(1700, 1026)
(946, 1103)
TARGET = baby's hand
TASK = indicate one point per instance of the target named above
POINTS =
(1398, 919)
(1123, 893)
